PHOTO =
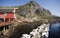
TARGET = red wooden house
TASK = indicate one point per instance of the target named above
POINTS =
(7, 15)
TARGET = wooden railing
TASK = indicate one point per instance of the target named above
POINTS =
(4, 23)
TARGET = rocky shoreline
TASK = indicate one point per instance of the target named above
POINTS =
(17, 29)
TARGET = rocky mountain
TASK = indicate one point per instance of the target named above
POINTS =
(32, 9)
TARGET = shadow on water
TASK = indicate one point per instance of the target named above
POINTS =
(54, 31)
(24, 29)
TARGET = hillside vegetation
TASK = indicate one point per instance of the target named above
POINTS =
(32, 9)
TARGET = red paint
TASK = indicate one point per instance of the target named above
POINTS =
(7, 16)
(4, 23)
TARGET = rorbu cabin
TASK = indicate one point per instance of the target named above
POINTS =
(7, 15)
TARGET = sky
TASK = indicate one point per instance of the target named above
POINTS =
(52, 5)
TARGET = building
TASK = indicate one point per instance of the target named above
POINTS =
(7, 15)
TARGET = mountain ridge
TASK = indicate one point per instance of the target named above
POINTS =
(31, 9)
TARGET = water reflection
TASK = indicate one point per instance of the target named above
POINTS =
(54, 31)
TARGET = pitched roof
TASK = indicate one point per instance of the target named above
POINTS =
(7, 9)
